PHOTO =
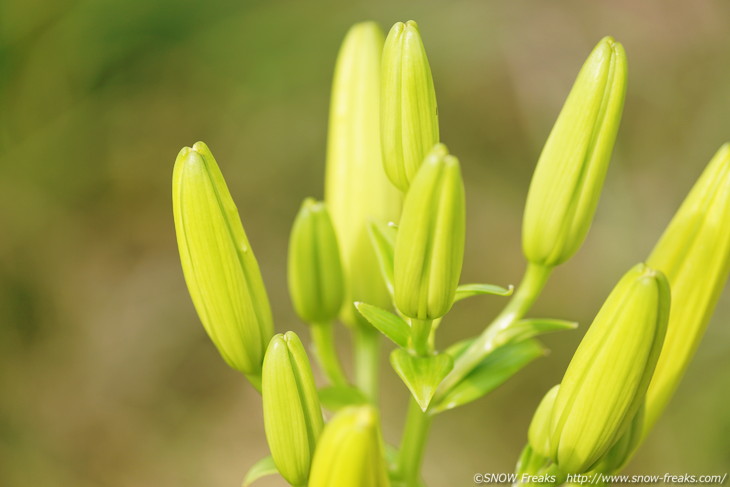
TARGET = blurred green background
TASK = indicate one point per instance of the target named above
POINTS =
(106, 375)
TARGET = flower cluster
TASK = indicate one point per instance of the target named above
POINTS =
(383, 254)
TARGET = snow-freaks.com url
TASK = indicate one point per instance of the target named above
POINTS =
(601, 479)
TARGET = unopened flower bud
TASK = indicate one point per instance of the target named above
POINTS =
(220, 269)
(357, 190)
(408, 116)
(694, 253)
(606, 380)
(350, 451)
(315, 272)
(530, 462)
(539, 431)
(429, 249)
(292, 414)
(567, 183)
(617, 456)
(535, 470)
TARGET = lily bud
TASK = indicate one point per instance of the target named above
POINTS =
(530, 462)
(315, 273)
(292, 414)
(350, 451)
(539, 431)
(535, 470)
(607, 378)
(408, 116)
(357, 190)
(569, 176)
(429, 249)
(220, 270)
(621, 451)
(694, 253)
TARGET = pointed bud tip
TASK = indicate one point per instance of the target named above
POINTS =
(194, 154)
(312, 205)
(367, 417)
(609, 40)
(200, 147)
(405, 28)
(451, 161)
(277, 341)
(397, 28)
(440, 149)
(367, 25)
(607, 50)
(649, 275)
(440, 155)
(289, 336)
(189, 156)
(611, 43)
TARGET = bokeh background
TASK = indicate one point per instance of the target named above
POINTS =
(106, 376)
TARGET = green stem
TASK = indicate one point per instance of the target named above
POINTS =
(420, 334)
(326, 353)
(367, 355)
(527, 292)
(413, 444)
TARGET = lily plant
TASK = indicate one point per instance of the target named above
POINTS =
(382, 253)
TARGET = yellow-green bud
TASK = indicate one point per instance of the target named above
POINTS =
(315, 272)
(694, 253)
(530, 462)
(220, 269)
(621, 451)
(429, 249)
(350, 451)
(535, 470)
(607, 378)
(567, 183)
(539, 431)
(292, 414)
(408, 115)
(356, 187)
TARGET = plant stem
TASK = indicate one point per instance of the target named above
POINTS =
(420, 333)
(527, 292)
(326, 353)
(413, 444)
(367, 351)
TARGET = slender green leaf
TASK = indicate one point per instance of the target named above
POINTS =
(390, 325)
(383, 239)
(458, 348)
(468, 290)
(335, 398)
(532, 327)
(262, 468)
(421, 375)
(494, 370)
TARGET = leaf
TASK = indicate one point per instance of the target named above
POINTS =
(334, 398)
(494, 370)
(382, 238)
(390, 325)
(529, 328)
(468, 290)
(458, 348)
(262, 468)
(421, 375)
